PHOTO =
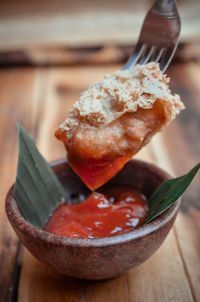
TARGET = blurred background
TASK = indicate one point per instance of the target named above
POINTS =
(50, 32)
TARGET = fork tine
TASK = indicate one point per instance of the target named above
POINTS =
(139, 50)
(158, 54)
(166, 59)
(147, 55)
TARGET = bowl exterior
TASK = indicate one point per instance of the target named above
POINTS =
(101, 258)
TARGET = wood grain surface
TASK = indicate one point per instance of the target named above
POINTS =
(79, 23)
(53, 32)
(17, 102)
(40, 100)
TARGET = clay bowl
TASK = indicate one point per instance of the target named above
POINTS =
(99, 258)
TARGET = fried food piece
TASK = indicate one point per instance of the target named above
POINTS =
(114, 119)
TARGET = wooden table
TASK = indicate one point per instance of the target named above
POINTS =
(39, 98)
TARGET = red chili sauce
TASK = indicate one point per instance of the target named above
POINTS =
(100, 215)
(96, 172)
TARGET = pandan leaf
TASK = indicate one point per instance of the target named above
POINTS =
(168, 192)
(37, 189)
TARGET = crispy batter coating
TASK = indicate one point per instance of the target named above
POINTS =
(119, 114)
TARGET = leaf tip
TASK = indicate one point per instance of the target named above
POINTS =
(18, 125)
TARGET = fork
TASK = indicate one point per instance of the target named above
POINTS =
(159, 36)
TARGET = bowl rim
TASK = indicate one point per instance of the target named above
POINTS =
(17, 220)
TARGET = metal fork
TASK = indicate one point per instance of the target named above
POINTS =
(158, 37)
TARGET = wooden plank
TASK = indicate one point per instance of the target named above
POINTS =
(17, 100)
(184, 146)
(162, 278)
(187, 225)
(34, 25)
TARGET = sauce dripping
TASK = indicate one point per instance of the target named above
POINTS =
(100, 215)
(96, 172)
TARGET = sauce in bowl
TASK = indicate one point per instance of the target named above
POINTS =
(100, 215)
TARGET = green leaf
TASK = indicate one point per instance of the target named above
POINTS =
(168, 192)
(37, 189)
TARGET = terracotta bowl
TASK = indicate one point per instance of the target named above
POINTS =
(99, 258)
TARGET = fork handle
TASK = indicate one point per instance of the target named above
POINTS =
(166, 8)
